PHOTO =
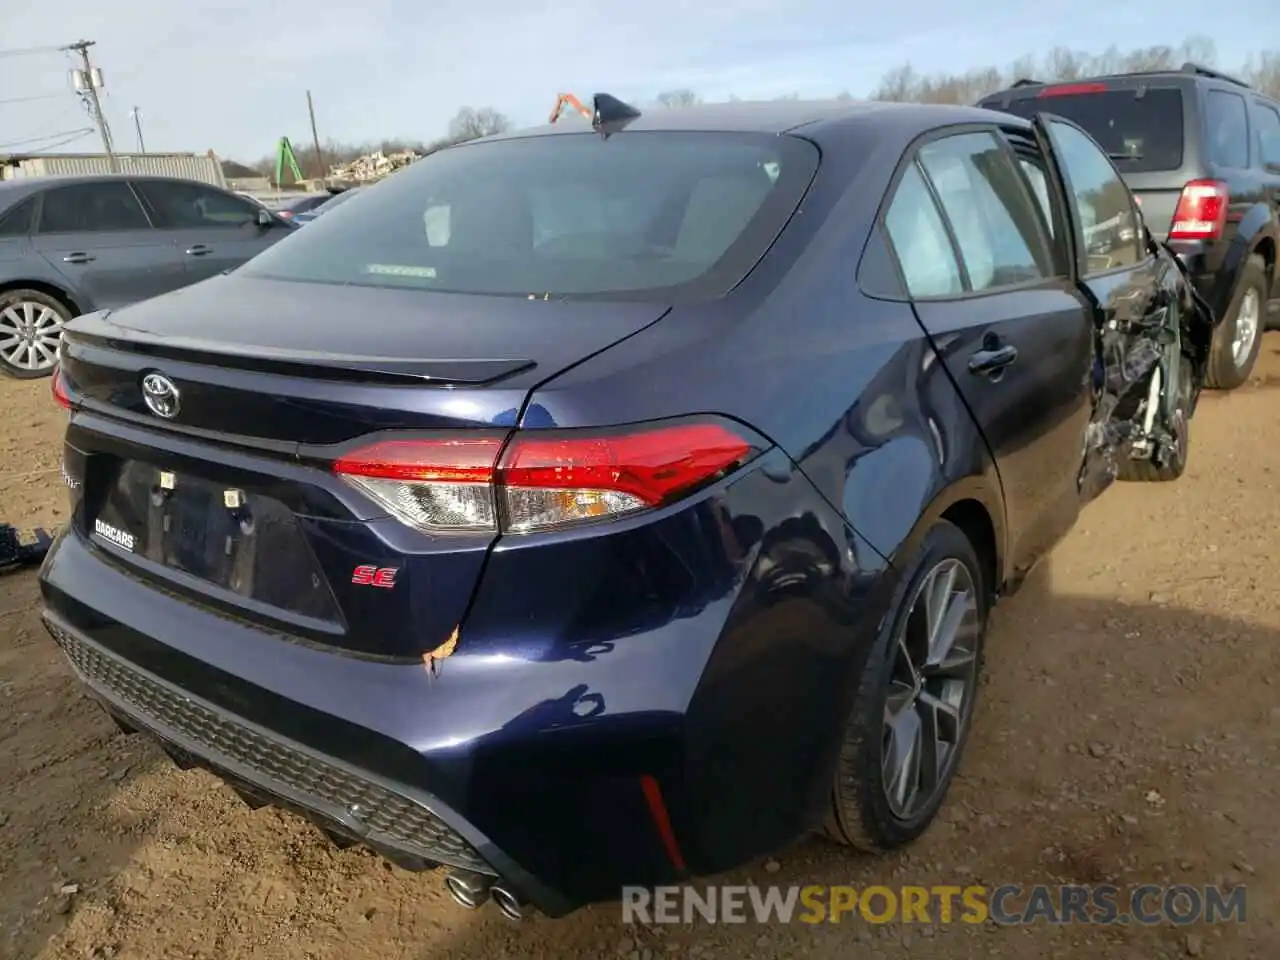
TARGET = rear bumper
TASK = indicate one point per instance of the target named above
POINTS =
(375, 752)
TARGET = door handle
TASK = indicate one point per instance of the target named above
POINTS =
(78, 258)
(991, 360)
(199, 250)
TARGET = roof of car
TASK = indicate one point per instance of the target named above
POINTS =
(774, 117)
(21, 186)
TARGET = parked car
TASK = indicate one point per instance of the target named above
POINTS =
(71, 245)
(583, 510)
(1201, 151)
(334, 201)
(288, 207)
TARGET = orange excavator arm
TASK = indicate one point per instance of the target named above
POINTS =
(568, 100)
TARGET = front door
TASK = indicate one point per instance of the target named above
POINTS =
(1015, 334)
(1134, 294)
(213, 230)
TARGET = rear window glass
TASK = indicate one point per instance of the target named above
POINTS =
(1141, 133)
(638, 215)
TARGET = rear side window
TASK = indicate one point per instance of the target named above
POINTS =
(992, 215)
(920, 240)
(17, 221)
(637, 216)
(1139, 133)
(91, 208)
(1268, 124)
(1227, 122)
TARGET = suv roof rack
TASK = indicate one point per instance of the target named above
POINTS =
(1202, 71)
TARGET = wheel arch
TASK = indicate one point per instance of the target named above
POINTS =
(49, 289)
(978, 510)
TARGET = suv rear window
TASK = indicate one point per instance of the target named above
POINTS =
(1141, 133)
(641, 215)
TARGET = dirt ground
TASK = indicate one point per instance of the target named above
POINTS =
(1128, 733)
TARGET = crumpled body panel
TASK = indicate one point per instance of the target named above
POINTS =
(1142, 358)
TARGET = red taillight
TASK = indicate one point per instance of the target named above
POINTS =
(543, 481)
(284, 214)
(1072, 89)
(58, 387)
(1202, 211)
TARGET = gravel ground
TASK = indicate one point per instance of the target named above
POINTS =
(1127, 733)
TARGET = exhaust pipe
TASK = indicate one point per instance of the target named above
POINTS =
(512, 907)
(467, 888)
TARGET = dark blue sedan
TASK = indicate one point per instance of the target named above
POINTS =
(598, 507)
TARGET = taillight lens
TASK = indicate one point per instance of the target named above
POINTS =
(58, 387)
(543, 480)
(1201, 213)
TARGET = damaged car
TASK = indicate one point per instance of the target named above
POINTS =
(604, 505)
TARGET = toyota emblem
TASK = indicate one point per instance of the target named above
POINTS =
(160, 395)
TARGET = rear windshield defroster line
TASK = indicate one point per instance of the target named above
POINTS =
(665, 216)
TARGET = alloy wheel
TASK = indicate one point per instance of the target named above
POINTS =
(29, 335)
(931, 691)
(1246, 331)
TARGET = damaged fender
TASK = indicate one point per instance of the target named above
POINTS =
(1141, 403)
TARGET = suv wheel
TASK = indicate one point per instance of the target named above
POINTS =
(31, 325)
(1238, 339)
(915, 698)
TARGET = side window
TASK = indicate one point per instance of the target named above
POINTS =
(17, 222)
(1268, 132)
(191, 206)
(995, 222)
(91, 208)
(1228, 123)
(920, 240)
(1040, 188)
(1108, 228)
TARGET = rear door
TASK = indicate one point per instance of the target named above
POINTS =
(1014, 332)
(212, 230)
(99, 238)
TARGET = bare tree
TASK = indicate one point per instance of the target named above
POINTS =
(470, 123)
(1062, 64)
(679, 98)
(1263, 72)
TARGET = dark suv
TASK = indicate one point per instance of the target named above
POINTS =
(1201, 152)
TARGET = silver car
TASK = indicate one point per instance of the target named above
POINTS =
(72, 245)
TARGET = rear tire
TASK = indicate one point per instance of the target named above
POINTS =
(31, 325)
(1146, 471)
(1238, 338)
(871, 809)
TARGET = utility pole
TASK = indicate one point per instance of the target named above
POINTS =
(137, 125)
(88, 81)
(315, 137)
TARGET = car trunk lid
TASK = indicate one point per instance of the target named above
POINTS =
(234, 499)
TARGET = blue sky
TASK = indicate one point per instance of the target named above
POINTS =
(233, 77)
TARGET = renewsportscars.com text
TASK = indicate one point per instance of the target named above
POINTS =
(1008, 905)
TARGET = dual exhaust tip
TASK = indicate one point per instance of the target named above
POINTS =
(471, 890)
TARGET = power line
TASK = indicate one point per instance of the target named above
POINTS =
(75, 134)
(42, 96)
(28, 51)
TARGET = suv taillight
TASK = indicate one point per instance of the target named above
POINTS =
(1202, 211)
(542, 479)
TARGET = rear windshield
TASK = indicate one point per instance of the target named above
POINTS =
(1141, 133)
(641, 215)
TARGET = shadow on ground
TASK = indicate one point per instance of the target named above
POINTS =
(1115, 742)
